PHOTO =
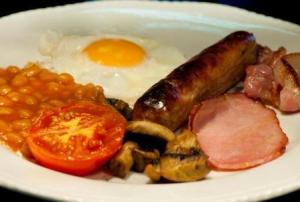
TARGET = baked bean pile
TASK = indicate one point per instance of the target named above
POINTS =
(25, 92)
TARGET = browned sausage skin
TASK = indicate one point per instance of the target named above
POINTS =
(210, 73)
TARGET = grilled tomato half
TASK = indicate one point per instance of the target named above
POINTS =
(76, 139)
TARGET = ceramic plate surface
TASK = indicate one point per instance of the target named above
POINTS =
(188, 26)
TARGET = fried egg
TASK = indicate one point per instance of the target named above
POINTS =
(125, 66)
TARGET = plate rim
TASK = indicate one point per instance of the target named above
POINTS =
(266, 194)
(144, 3)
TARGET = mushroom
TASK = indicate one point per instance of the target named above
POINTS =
(121, 164)
(143, 158)
(153, 171)
(144, 141)
(150, 128)
(149, 135)
(183, 168)
(121, 107)
(182, 161)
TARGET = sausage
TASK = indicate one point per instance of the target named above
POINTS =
(210, 73)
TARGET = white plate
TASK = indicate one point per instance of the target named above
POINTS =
(188, 26)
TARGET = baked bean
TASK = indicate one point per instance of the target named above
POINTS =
(39, 96)
(45, 75)
(65, 78)
(3, 126)
(13, 69)
(65, 94)
(53, 87)
(4, 101)
(100, 94)
(14, 96)
(6, 111)
(5, 89)
(99, 89)
(36, 83)
(19, 80)
(68, 91)
(2, 81)
(26, 89)
(56, 103)
(90, 90)
(27, 92)
(45, 106)
(3, 71)
(14, 139)
(31, 70)
(21, 124)
(30, 100)
(79, 92)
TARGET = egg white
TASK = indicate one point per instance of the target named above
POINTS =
(65, 54)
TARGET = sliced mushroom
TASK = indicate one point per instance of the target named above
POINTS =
(183, 143)
(150, 128)
(121, 164)
(144, 141)
(183, 168)
(149, 135)
(121, 107)
(143, 158)
(153, 171)
(182, 161)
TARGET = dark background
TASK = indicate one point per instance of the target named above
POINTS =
(284, 9)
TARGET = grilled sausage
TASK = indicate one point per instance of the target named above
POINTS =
(210, 73)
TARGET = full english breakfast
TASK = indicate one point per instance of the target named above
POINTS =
(127, 103)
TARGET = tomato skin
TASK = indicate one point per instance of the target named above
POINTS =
(86, 163)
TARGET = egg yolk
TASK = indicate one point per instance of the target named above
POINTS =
(115, 53)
